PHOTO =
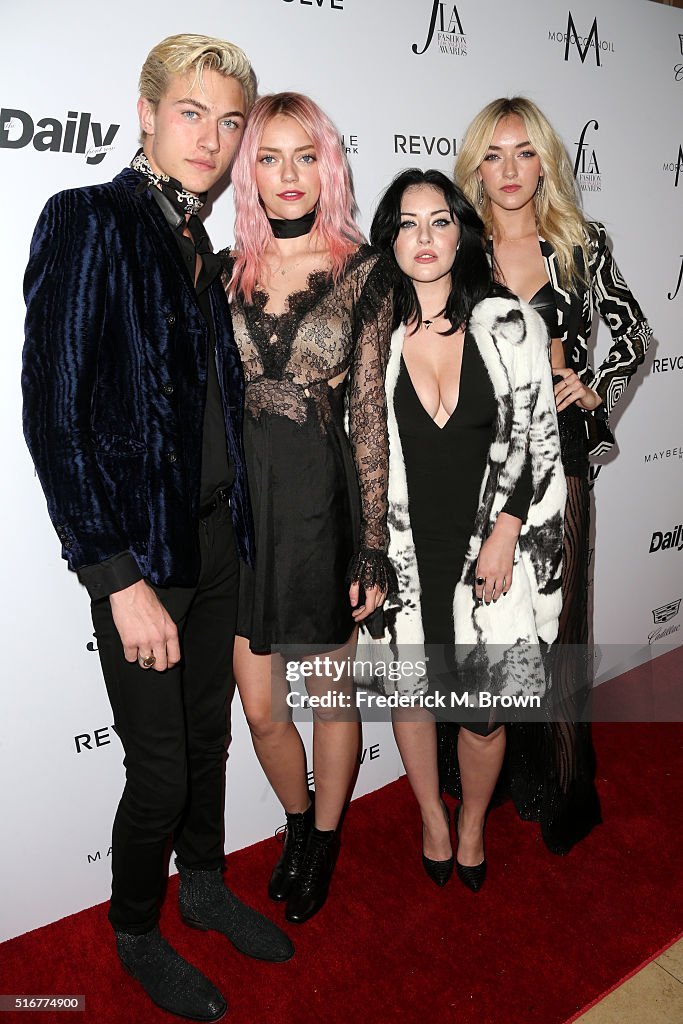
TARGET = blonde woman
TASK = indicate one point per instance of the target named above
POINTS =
(514, 168)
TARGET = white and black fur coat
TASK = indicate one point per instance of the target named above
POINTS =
(513, 342)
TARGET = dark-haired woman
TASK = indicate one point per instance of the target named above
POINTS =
(475, 523)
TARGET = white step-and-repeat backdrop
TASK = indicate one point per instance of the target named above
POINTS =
(401, 80)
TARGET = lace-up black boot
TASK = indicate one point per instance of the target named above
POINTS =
(169, 980)
(206, 903)
(286, 871)
(309, 891)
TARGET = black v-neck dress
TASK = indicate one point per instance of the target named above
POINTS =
(444, 471)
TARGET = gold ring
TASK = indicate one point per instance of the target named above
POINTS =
(147, 662)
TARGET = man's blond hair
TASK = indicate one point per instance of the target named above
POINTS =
(185, 53)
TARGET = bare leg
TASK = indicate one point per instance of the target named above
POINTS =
(480, 759)
(278, 746)
(415, 732)
(336, 741)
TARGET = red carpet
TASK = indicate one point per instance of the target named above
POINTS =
(545, 937)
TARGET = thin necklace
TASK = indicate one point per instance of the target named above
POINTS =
(428, 323)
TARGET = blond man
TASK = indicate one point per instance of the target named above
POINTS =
(133, 399)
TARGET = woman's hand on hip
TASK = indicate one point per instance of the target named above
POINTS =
(570, 389)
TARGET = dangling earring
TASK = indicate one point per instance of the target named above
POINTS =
(480, 192)
(540, 187)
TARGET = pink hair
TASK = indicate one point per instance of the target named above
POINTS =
(334, 219)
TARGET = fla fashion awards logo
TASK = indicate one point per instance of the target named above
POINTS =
(661, 616)
(77, 134)
(586, 167)
(672, 295)
(446, 29)
(591, 45)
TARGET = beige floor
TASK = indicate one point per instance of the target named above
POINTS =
(653, 996)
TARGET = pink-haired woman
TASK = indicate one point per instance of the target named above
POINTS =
(312, 319)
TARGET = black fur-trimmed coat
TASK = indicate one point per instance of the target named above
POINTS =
(513, 342)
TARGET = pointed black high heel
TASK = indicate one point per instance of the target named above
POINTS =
(439, 870)
(472, 877)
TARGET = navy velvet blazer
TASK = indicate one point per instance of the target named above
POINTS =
(114, 380)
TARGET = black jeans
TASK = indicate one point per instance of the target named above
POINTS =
(174, 729)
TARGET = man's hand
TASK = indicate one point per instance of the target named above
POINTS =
(145, 627)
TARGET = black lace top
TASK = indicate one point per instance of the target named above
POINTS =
(327, 329)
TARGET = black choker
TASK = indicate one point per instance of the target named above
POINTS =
(292, 228)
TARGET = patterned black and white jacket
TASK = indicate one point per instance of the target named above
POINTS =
(513, 342)
(609, 295)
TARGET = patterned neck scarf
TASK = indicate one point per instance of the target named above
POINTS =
(172, 189)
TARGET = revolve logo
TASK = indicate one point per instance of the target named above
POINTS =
(584, 44)
(670, 540)
(664, 614)
(425, 145)
(78, 134)
(446, 26)
(334, 5)
(93, 740)
(586, 167)
(666, 364)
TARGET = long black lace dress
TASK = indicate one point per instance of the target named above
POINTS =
(319, 495)
(549, 767)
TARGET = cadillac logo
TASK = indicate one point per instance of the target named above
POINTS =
(666, 611)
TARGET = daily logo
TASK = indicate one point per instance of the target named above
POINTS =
(667, 541)
(586, 167)
(585, 45)
(78, 134)
(446, 25)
